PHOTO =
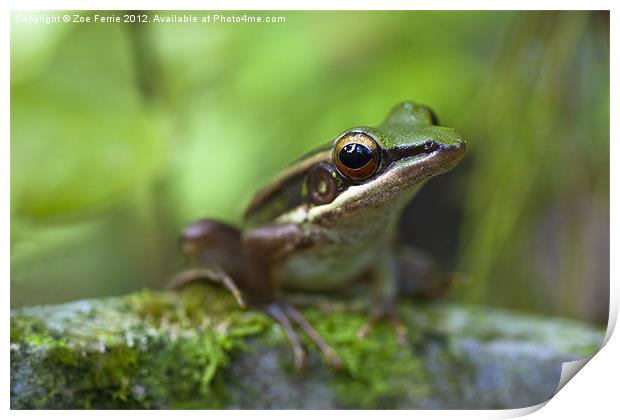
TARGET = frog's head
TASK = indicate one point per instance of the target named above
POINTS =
(384, 166)
(364, 170)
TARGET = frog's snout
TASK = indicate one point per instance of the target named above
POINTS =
(454, 153)
(460, 145)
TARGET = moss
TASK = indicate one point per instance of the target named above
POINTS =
(102, 374)
(165, 339)
(588, 350)
(193, 336)
(29, 328)
(167, 350)
(378, 371)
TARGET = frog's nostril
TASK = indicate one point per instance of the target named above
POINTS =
(430, 146)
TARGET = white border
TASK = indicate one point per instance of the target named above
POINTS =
(594, 387)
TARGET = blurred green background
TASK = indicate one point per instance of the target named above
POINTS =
(121, 134)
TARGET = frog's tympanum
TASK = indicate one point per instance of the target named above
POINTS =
(329, 221)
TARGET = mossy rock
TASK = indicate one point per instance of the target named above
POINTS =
(197, 349)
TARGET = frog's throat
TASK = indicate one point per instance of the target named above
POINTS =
(393, 184)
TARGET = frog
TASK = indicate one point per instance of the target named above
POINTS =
(329, 222)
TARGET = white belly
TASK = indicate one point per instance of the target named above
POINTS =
(323, 268)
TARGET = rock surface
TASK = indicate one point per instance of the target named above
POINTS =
(197, 350)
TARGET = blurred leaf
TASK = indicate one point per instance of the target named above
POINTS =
(32, 46)
(81, 136)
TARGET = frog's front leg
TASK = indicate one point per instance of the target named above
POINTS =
(384, 277)
(210, 273)
(404, 272)
(262, 249)
(420, 276)
(213, 251)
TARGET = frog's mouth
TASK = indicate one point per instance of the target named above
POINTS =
(405, 170)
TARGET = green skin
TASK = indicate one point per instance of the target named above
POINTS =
(293, 241)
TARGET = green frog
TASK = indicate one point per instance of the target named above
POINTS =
(329, 222)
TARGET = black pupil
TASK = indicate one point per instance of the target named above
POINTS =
(355, 155)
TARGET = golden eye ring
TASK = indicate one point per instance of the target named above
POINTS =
(357, 155)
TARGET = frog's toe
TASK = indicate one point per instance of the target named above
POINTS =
(330, 354)
(207, 273)
(276, 311)
(283, 313)
(399, 328)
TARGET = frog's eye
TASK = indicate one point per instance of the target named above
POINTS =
(321, 182)
(357, 156)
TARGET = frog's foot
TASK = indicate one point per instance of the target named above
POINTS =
(380, 313)
(214, 274)
(283, 313)
(326, 349)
